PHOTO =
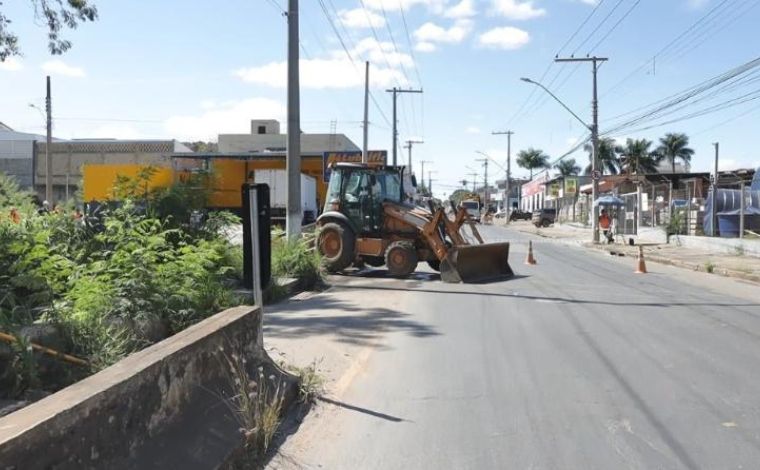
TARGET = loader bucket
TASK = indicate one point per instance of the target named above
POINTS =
(476, 263)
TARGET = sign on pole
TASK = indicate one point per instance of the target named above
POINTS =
(571, 186)
(596, 175)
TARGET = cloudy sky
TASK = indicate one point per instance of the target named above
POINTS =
(191, 69)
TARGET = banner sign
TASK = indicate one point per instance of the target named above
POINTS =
(571, 186)
(554, 189)
(374, 157)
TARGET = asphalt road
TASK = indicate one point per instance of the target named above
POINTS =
(577, 363)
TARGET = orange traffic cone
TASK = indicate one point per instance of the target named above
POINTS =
(641, 268)
(530, 259)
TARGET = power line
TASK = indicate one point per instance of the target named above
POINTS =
(578, 29)
(622, 18)
(350, 57)
(597, 27)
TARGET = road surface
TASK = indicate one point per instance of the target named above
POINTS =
(577, 363)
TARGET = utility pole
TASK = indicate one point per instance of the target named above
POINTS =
(409, 144)
(594, 137)
(430, 182)
(48, 143)
(509, 135)
(365, 155)
(474, 180)
(395, 92)
(293, 157)
(485, 181)
(422, 170)
(715, 193)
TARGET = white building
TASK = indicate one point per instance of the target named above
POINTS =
(17, 154)
(266, 136)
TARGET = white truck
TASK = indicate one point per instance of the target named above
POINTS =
(278, 194)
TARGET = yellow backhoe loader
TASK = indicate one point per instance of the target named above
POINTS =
(365, 220)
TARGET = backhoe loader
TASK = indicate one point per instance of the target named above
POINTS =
(365, 220)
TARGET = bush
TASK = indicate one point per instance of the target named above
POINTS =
(144, 271)
(294, 258)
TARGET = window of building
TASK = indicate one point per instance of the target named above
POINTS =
(262, 129)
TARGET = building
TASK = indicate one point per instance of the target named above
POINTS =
(69, 158)
(17, 153)
(265, 136)
(533, 192)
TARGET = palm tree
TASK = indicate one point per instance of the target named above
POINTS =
(635, 156)
(674, 146)
(608, 160)
(532, 159)
(567, 167)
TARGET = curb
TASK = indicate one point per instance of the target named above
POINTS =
(685, 265)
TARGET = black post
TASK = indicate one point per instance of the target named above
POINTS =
(265, 235)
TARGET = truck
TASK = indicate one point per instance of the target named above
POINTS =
(472, 206)
(278, 194)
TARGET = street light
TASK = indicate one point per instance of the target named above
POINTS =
(595, 145)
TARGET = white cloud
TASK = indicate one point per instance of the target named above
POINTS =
(589, 2)
(431, 32)
(572, 140)
(517, 10)
(463, 9)
(229, 117)
(472, 130)
(11, 64)
(505, 37)
(337, 71)
(360, 18)
(424, 47)
(59, 67)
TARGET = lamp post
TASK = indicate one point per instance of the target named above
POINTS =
(593, 128)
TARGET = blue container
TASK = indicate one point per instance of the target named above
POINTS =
(728, 226)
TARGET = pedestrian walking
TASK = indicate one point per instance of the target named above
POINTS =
(605, 223)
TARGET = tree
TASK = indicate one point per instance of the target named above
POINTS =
(674, 146)
(200, 146)
(56, 15)
(608, 160)
(460, 195)
(532, 159)
(567, 167)
(635, 156)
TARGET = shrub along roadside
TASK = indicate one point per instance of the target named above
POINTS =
(109, 286)
(294, 258)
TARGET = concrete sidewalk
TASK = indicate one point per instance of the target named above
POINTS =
(735, 265)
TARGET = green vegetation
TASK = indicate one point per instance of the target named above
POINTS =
(532, 159)
(310, 381)
(111, 283)
(294, 258)
(709, 267)
(256, 401)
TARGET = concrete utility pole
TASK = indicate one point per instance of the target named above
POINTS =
(422, 171)
(395, 92)
(715, 192)
(430, 181)
(594, 137)
(474, 180)
(48, 142)
(409, 144)
(293, 158)
(365, 140)
(485, 181)
(509, 135)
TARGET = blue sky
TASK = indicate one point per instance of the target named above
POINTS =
(191, 69)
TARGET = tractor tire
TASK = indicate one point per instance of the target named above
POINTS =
(336, 244)
(401, 258)
(374, 261)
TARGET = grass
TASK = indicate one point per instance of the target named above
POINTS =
(739, 250)
(310, 382)
(709, 267)
(294, 258)
(257, 403)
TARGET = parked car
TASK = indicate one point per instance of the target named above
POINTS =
(518, 214)
(544, 217)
